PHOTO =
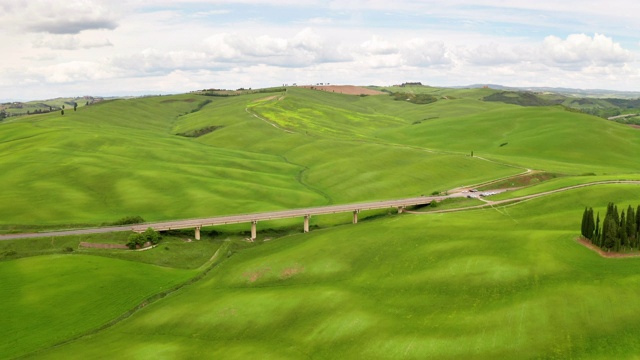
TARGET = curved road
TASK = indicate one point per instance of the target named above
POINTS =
(305, 212)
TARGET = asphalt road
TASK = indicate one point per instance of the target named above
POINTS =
(272, 215)
(235, 219)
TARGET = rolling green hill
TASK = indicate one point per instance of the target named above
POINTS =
(49, 299)
(509, 282)
(499, 282)
(608, 107)
(125, 157)
(45, 106)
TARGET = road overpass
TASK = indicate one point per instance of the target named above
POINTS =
(304, 213)
(253, 218)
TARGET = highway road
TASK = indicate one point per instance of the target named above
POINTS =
(303, 212)
(242, 218)
(285, 214)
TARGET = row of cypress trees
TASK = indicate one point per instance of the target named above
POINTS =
(620, 231)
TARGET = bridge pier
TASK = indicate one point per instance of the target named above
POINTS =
(306, 223)
(254, 229)
(400, 209)
(197, 236)
(355, 216)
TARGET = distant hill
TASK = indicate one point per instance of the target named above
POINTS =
(623, 110)
(15, 108)
(591, 93)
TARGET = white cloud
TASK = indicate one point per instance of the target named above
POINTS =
(155, 62)
(379, 46)
(491, 54)
(303, 49)
(378, 52)
(580, 50)
(73, 71)
(69, 42)
(420, 52)
(67, 17)
(152, 43)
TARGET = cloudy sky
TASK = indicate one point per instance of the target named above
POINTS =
(54, 48)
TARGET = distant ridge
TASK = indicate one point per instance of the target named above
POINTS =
(594, 93)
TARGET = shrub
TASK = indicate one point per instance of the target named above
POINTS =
(151, 236)
(129, 220)
(414, 98)
(148, 235)
(135, 240)
(9, 253)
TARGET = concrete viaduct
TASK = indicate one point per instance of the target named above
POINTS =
(305, 213)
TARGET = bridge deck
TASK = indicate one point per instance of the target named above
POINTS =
(285, 214)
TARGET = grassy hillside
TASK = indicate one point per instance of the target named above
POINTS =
(547, 138)
(120, 158)
(507, 282)
(501, 282)
(48, 299)
(130, 157)
(189, 155)
(45, 106)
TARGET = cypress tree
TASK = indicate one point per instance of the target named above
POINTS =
(609, 209)
(583, 226)
(597, 235)
(609, 232)
(616, 244)
(638, 225)
(631, 227)
(622, 232)
(590, 224)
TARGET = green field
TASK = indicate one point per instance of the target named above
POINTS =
(49, 299)
(498, 282)
(413, 286)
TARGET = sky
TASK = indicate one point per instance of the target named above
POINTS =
(53, 48)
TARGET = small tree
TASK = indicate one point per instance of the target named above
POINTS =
(75, 106)
(151, 236)
(583, 224)
(597, 232)
(622, 231)
(590, 224)
(134, 240)
(139, 239)
(631, 227)
(62, 112)
(609, 233)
